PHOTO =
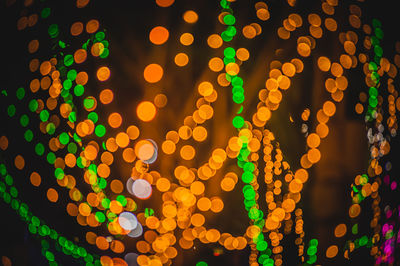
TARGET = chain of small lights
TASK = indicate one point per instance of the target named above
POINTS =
(97, 184)
(386, 252)
(299, 175)
(38, 227)
(379, 141)
(275, 186)
(248, 177)
(99, 48)
(362, 188)
(354, 211)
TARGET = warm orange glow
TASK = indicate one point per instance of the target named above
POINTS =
(146, 111)
(181, 59)
(103, 73)
(106, 96)
(190, 16)
(153, 73)
(115, 120)
(159, 35)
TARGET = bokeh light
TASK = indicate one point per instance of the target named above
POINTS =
(201, 133)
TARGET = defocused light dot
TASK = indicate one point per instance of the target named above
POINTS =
(160, 100)
(76, 28)
(181, 59)
(330, 24)
(137, 231)
(242, 54)
(205, 88)
(115, 120)
(33, 46)
(229, 19)
(131, 259)
(214, 41)
(303, 49)
(155, 153)
(133, 132)
(164, 3)
(199, 133)
(204, 204)
(324, 63)
(144, 150)
(217, 204)
(97, 49)
(159, 35)
(35, 179)
(168, 147)
(103, 73)
(354, 210)
(332, 251)
(122, 139)
(313, 140)
(249, 32)
(232, 69)
(313, 155)
(190, 16)
(19, 162)
(187, 152)
(82, 3)
(146, 111)
(106, 96)
(263, 14)
(216, 64)
(129, 184)
(197, 219)
(127, 220)
(288, 205)
(52, 195)
(128, 155)
(322, 130)
(141, 189)
(314, 20)
(153, 73)
(186, 39)
(288, 69)
(92, 26)
(329, 108)
(163, 184)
